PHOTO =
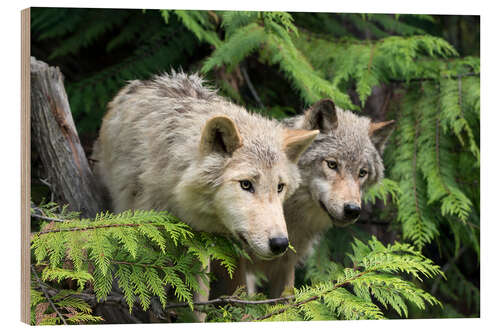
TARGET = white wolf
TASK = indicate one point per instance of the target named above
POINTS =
(172, 144)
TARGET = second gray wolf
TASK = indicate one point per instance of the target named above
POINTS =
(344, 159)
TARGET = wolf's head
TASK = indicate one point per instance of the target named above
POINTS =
(251, 174)
(343, 160)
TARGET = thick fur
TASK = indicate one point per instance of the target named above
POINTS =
(353, 143)
(151, 155)
(172, 144)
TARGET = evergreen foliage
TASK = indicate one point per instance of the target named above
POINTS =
(74, 310)
(152, 254)
(146, 252)
(278, 63)
(362, 291)
(133, 44)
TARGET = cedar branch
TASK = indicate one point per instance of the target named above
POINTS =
(47, 295)
(117, 298)
(117, 225)
(312, 298)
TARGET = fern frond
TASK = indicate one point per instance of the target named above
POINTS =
(452, 114)
(198, 23)
(236, 48)
(383, 190)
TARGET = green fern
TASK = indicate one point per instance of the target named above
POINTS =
(199, 23)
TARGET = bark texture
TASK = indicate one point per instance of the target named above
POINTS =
(54, 136)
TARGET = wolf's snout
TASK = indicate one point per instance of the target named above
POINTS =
(278, 244)
(351, 211)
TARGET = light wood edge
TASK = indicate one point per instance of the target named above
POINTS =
(25, 165)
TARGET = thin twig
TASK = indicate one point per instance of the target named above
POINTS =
(46, 183)
(117, 298)
(232, 300)
(49, 185)
(251, 87)
(39, 213)
(312, 298)
(38, 216)
(47, 295)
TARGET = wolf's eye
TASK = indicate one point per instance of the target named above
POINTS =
(362, 173)
(281, 187)
(247, 185)
(332, 165)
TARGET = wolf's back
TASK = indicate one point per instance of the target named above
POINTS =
(149, 125)
(151, 133)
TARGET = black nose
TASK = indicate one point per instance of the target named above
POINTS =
(278, 245)
(351, 211)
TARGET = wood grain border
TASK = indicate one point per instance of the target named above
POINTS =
(25, 164)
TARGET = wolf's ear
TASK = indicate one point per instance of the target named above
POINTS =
(221, 135)
(321, 116)
(296, 141)
(380, 132)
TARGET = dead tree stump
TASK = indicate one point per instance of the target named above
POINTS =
(54, 135)
(56, 141)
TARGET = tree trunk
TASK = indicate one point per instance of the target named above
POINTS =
(54, 136)
(56, 142)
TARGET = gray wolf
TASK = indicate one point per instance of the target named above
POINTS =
(172, 144)
(344, 159)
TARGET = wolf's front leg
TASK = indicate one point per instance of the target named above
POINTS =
(202, 296)
(251, 283)
(289, 285)
(283, 284)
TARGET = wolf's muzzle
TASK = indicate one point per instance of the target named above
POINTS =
(351, 211)
(350, 214)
